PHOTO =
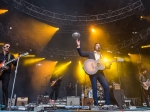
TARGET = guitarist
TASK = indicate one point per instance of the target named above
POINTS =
(144, 92)
(6, 56)
(96, 54)
(55, 87)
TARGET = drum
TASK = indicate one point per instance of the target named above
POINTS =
(90, 93)
(100, 94)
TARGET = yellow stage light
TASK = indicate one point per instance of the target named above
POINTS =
(146, 46)
(29, 61)
(2, 11)
(129, 54)
(61, 68)
(93, 30)
(141, 17)
(1, 44)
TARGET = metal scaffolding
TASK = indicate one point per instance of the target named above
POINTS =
(53, 17)
(7, 33)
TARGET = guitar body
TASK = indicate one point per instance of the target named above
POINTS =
(53, 83)
(3, 67)
(91, 66)
(147, 83)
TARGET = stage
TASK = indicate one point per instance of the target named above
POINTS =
(44, 108)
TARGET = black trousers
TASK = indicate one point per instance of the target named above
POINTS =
(144, 95)
(5, 84)
(54, 92)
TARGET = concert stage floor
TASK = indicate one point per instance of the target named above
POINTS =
(138, 109)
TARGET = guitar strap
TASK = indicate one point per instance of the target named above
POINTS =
(9, 57)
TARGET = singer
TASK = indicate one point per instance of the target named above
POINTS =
(96, 54)
(5, 56)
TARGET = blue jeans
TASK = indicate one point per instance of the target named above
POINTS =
(101, 78)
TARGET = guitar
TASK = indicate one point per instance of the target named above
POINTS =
(146, 84)
(55, 81)
(91, 66)
(3, 65)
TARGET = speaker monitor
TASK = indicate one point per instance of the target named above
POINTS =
(22, 101)
(73, 101)
(12, 102)
(87, 101)
(119, 97)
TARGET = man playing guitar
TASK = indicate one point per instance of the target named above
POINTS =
(55, 84)
(5, 56)
(145, 84)
(99, 75)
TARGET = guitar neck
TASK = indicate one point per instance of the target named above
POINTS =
(10, 61)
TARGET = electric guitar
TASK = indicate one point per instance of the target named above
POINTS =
(146, 84)
(3, 65)
(91, 66)
(55, 81)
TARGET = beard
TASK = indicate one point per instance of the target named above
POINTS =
(98, 49)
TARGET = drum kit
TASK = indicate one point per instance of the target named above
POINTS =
(89, 92)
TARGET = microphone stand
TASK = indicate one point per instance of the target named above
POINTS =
(46, 84)
(14, 81)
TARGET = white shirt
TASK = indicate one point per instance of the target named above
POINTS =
(97, 55)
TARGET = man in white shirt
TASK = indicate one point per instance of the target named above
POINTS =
(97, 76)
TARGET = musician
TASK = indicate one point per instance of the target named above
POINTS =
(5, 55)
(145, 93)
(96, 54)
(70, 89)
(55, 87)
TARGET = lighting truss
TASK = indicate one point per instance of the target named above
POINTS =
(7, 33)
(138, 38)
(53, 17)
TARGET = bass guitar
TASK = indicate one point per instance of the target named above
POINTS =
(3, 65)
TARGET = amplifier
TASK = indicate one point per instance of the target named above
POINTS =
(22, 101)
(73, 100)
(87, 101)
(116, 86)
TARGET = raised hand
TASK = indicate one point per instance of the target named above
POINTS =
(78, 43)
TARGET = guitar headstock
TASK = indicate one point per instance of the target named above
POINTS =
(24, 54)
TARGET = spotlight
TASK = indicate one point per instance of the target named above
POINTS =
(146, 46)
(141, 17)
(93, 30)
(2, 11)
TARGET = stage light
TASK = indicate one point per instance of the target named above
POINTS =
(146, 46)
(29, 61)
(93, 30)
(1, 44)
(61, 68)
(129, 54)
(2, 11)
